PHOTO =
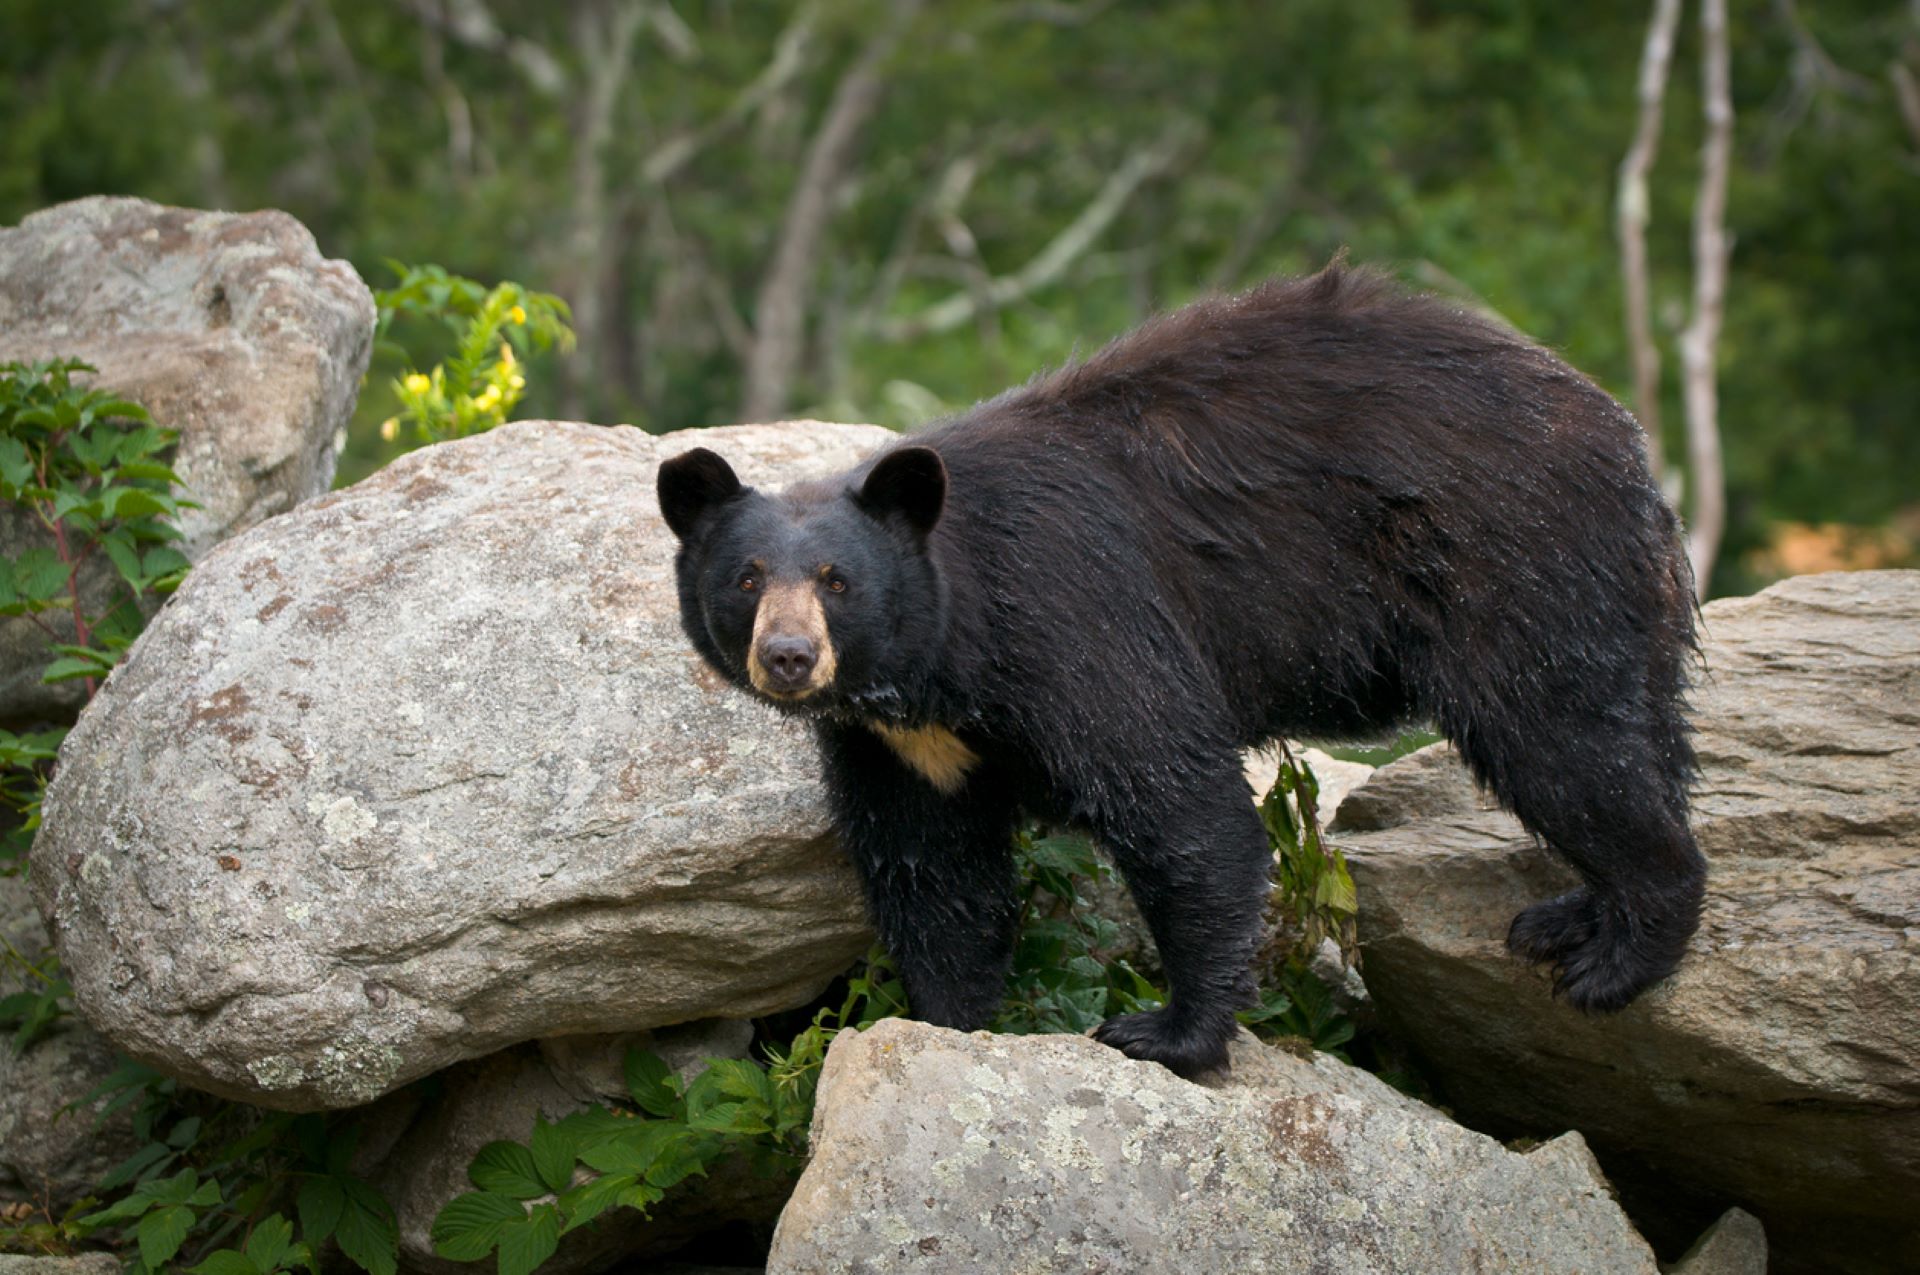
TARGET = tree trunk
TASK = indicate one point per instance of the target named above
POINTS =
(1706, 477)
(1630, 221)
(779, 315)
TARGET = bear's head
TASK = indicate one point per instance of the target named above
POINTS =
(820, 598)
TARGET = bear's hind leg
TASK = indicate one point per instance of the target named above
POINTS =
(1614, 812)
(1199, 867)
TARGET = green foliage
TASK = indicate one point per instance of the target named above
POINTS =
(1065, 976)
(1313, 896)
(482, 380)
(629, 1156)
(87, 467)
(212, 1185)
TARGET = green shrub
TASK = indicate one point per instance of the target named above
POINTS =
(477, 387)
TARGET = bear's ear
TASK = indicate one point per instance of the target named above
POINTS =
(692, 483)
(910, 483)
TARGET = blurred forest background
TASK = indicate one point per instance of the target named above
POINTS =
(873, 210)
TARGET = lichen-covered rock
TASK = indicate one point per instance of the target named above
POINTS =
(935, 1151)
(424, 1165)
(1780, 1067)
(426, 768)
(230, 328)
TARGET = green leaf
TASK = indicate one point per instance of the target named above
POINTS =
(227, 1262)
(320, 1204)
(367, 1233)
(125, 409)
(469, 1226)
(590, 1199)
(651, 1083)
(120, 548)
(16, 464)
(163, 560)
(138, 502)
(554, 1151)
(506, 1168)
(269, 1242)
(162, 1232)
(39, 575)
(69, 668)
(524, 1245)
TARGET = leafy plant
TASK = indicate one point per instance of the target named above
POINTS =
(1313, 897)
(1066, 976)
(213, 1183)
(85, 464)
(480, 384)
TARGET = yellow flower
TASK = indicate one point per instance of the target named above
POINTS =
(489, 398)
(390, 428)
(418, 384)
(517, 381)
(519, 315)
(506, 355)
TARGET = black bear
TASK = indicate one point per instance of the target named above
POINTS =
(1323, 507)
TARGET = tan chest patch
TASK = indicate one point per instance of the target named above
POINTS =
(934, 751)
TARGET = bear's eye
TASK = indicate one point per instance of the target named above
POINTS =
(748, 584)
(836, 585)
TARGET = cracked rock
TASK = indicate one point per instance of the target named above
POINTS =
(935, 1151)
(426, 768)
(1777, 1069)
(230, 328)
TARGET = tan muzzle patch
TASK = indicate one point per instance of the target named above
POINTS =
(791, 610)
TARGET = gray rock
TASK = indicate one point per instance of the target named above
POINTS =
(936, 1151)
(1734, 1245)
(1777, 1069)
(426, 768)
(47, 1157)
(83, 1264)
(425, 1167)
(231, 329)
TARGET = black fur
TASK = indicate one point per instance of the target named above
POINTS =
(1320, 508)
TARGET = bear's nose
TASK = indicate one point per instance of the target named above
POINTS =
(789, 659)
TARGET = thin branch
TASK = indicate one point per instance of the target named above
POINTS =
(1907, 94)
(1699, 343)
(780, 310)
(1631, 214)
(1052, 261)
(789, 56)
(471, 23)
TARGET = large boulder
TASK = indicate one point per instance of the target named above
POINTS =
(230, 328)
(426, 768)
(936, 1151)
(1779, 1069)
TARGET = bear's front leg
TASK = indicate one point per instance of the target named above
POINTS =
(936, 863)
(1199, 866)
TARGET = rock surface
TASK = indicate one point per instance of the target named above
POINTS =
(47, 1157)
(1779, 1069)
(425, 1166)
(936, 1151)
(230, 328)
(85, 1264)
(1734, 1245)
(426, 768)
